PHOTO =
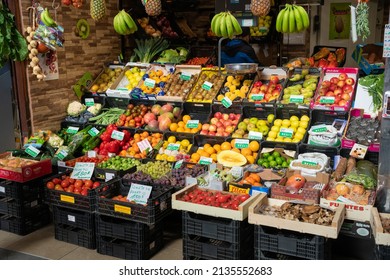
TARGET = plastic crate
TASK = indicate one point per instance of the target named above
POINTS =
(76, 218)
(213, 249)
(38, 218)
(301, 245)
(371, 156)
(327, 117)
(282, 145)
(18, 208)
(331, 152)
(217, 228)
(129, 250)
(123, 229)
(265, 255)
(77, 236)
(21, 191)
(159, 204)
(382, 252)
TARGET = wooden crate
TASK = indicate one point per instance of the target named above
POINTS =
(239, 215)
(256, 218)
(381, 238)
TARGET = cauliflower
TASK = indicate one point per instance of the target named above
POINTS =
(75, 108)
(95, 109)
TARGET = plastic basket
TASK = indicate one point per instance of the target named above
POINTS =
(217, 228)
(76, 218)
(327, 117)
(129, 250)
(21, 191)
(382, 252)
(301, 245)
(77, 236)
(18, 208)
(123, 229)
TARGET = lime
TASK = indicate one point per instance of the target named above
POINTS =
(285, 164)
(270, 158)
(272, 163)
(289, 160)
(260, 161)
(265, 155)
(265, 164)
(276, 154)
(279, 160)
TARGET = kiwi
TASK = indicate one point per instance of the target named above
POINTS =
(82, 28)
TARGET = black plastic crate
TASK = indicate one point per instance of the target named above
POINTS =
(327, 117)
(18, 208)
(159, 204)
(129, 250)
(127, 230)
(295, 244)
(77, 236)
(197, 111)
(382, 252)
(217, 228)
(66, 124)
(76, 218)
(331, 152)
(265, 255)
(213, 249)
(38, 218)
(21, 191)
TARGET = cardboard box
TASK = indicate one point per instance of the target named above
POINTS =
(308, 194)
(381, 238)
(239, 215)
(255, 217)
(369, 58)
(26, 173)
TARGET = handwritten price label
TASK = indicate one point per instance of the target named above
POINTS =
(83, 170)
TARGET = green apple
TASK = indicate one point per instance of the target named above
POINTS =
(242, 126)
(246, 120)
(253, 120)
(270, 118)
(261, 123)
(264, 130)
(240, 131)
(236, 135)
(251, 127)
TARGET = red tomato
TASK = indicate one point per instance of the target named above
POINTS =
(65, 183)
(58, 187)
(50, 185)
(244, 197)
(56, 181)
(95, 185)
(88, 183)
(84, 192)
(71, 180)
(70, 188)
(78, 184)
(77, 189)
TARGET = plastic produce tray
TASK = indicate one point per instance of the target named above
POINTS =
(18, 208)
(123, 229)
(21, 191)
(77, 236)
(217, 228)
(75, 218)
(305, 246)
(129, 250)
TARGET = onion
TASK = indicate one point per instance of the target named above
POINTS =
(29, 29)
(40, 77)
(28, 38)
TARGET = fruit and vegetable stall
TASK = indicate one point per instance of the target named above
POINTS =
(275, 163)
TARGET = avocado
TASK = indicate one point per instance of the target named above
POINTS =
(82, 28)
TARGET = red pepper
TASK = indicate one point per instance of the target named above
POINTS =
(340, 55)
(113, 147)
(103, 152)
(126, 136)
(333, 64)
(322, 63)
(310, 61)
(331, 57)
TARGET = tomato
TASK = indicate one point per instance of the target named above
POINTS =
(70, 188)
(223, 198)
(88, 183)
(71, 180)
(84, 192)
(65, 183)
(58, 187)
(50, 185)
(186, 198)
(56, 181)
(77, 189)
(76, 192)
(244, 197)
(78, 184)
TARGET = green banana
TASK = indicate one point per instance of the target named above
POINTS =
(229, 25)
(217, 25)
(285, 22)
(129, 21)
(224, 31)
(304, 16)
(213, 22)
(236, 26)
(298, 18)
(291, 19)
(119, 24)
(47, 19)
(279, 21)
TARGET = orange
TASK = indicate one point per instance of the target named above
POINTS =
(173, 127)
(236, 150)
(250, 180)
(194, 130)
(181, 124)
(246, 152)
(137, 137)
(186, 118)
(180, 129)
(226, 146)
(255, 177)
(187, 130)
(233, 142)
(203, 153)
(207, 145)
(199, 126)
(145, 134)
(210, 150)
(195, 157)
(250, 159)
(217, 147)
(214, 157)
(254, 146)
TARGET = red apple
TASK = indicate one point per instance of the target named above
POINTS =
(347, 89)
(225, 116)
(332, 87)
(212, 128)
(275, 92)
(257, 84)
(342, 102)
(218, 115)
(343, 76)
(219, 134)
(325, 84)
(274, 79)
(337, 99)
(225, 134)
(329, 93)
(279, 87)
(212, 133)
(205, 126)
(219, 124)
(232, 116)
(220, 129)
(204, 132)
(340, 83)
(334, 80)
(214, 120)
(235, 122)
(338, 91)
(229, 129)
(227, 123)
(345, 96)
(323, 91)
(350, 81)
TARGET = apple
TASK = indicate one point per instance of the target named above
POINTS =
(218, 115)
(229, 129)
(220, 129)
(345, 96)
(225, 134)
(212, 128)
(350, 81)
(242, 125)
(329, 93)
(225, 116)
(343, 76)
(219, 134)
(212, 133)
(337, 99)
(246, 120)
(258, 84)
(334, 80)
(232, 116)
(279, 87)
(323, 91)
(227, 123)
(338, 91)
(347, 89)
(219, 124)
(274, 79)
(341, 83)
(204, 132)
(214, 120)
(325, 84)
(342, 103)
(275, 92)
(264, 88)
(332, 87)
(235, 122)
(253, 120)
(251, 126)
(205, 126)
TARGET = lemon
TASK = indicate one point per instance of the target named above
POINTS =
(286, 123)
(301, 130)
(185, 143)
(294, 124)
(275, 128)
(294, 118)
(287, 140)
(279, 139)
(299, 136)
(273, 134)
(295, 140)
(303, 124)
(171, 139)
(305, 118)
(278, 122)
(171, 158)
(270, 138)
(158, 157)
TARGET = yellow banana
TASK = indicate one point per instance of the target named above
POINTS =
(279, 21)
(285, 22)
(291, 19)
(298, 18)
(236, 26)
(229, 25)
(304, 16)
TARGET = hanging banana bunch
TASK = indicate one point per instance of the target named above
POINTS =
(124, 23)
(225, 25)
(291, 19)
(260, 8)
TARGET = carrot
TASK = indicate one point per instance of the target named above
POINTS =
(340, 169)
(351, 164)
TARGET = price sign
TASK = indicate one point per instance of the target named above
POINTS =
(89, 102)
(309, 163)
(254, 135)
(226, 102)
(257, 97)
(178, 164)
(144, 145)
(207, 85)
(296, 99)
(185, 76)
(32, 151)
(63, 154)
(61, 163)
(205, 160)
(93, 131)
(83, 170)
(173, 147)
(2, 189)
(139, 193)
(241, 143)
(237, 171)
(117, 135)
(72, 130)
(286, 132)
(91, 154)
(71, 218)
(149, 82)
(327, 99)
(192, 124)
(319, 128)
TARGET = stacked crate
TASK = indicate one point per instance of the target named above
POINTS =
(212, 238)
(21, 207)
(128, 230)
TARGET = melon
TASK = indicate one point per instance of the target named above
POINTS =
(230, 158)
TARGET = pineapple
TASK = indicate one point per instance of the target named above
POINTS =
(153, 7)
(98, 9)
(260, 8)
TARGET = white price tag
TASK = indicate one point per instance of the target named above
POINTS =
(241, 143)
(71, 218)
(109, 176)
(83, 170)
(254, 135)
(2, 189)
(32, 151)
(72, 130)
(149, 82)
(139, 193)
(205, 160)
(61, 163)
(192, 124)
(144, 145)
(89, 102)
(117, 135)
(91, 154)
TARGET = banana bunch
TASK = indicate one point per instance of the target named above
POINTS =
(225, 25)
(291, 19)
(47, 19)
(124, 23)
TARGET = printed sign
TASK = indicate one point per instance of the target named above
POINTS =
(205, 160)
(226, 102)
(149, 82)
(241, 143)
(144, 145)
(286, 132)
(207, 85)
(72, 130)
(89, 102)
(93, 131)
(254, 135)
(117, 135)
(32, 151)
(192, 124)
